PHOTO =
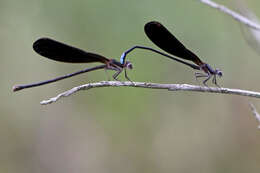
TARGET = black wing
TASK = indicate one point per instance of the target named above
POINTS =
(61, 52)
(160, 36)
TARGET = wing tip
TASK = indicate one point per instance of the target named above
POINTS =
(152, 24)
(37, 44)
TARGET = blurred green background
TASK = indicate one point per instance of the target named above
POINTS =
(125, 129)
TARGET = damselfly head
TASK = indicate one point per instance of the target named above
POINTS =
(219, 72)
(128, 65)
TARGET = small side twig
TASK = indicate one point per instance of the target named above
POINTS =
(169, 87)
(256, 114)
(235, 15)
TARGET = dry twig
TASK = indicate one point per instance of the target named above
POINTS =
(256, 114)
(170, 87)
(235, 15)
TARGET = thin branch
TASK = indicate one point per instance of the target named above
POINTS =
(252, 36)
(170, 87)
(235, 15)
(256, 114)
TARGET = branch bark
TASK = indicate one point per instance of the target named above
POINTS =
(169, 87)
(235, 15)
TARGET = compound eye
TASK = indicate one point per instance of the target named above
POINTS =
(220, 73)
(129, 65)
